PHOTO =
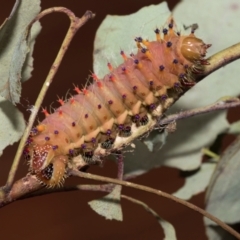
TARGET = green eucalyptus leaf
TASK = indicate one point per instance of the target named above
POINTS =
(16, 49)
(12, 124)
(109, 206)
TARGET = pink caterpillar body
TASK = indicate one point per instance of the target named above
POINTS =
(113, 111)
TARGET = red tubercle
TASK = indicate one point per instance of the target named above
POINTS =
(158, 36)
(110, 67)
(147, 53)
(95, 77)
(123, 55)
(72, 100)
(76, 89)
(112, 78)
(61, 101)
(145, 42)
(99, 84)
(138, 41)
(139, 46)
(85, 91)
(46, 113)
(138, 63)
(124, 70)
(97, 80)
(60, 112)
(171, 26)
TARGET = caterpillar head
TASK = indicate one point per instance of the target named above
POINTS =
(49, 167)
(193, 49)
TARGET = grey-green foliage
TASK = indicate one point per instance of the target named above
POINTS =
(15, 48)
(109, 206)
(12, 124)
(183, 148)
(222, 198)
(223, 193)
(16, 64)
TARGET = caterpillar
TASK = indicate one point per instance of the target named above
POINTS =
(111, 112)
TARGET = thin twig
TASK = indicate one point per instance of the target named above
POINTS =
(83, 187)
(75, 24)
(144, 205)
(219, 105)
(157, 192)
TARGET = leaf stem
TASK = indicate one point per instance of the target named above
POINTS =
(159, 193)
(75, 24)
(219, 105)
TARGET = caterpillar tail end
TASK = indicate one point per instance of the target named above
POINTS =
(55, 173)
(48, 167)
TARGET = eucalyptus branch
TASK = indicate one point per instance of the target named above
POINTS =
(20, 188)
(75, 24)
(77, 173)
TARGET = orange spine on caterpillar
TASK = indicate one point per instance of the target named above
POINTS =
(112, 109)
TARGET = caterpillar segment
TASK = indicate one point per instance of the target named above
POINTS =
(113, 111)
